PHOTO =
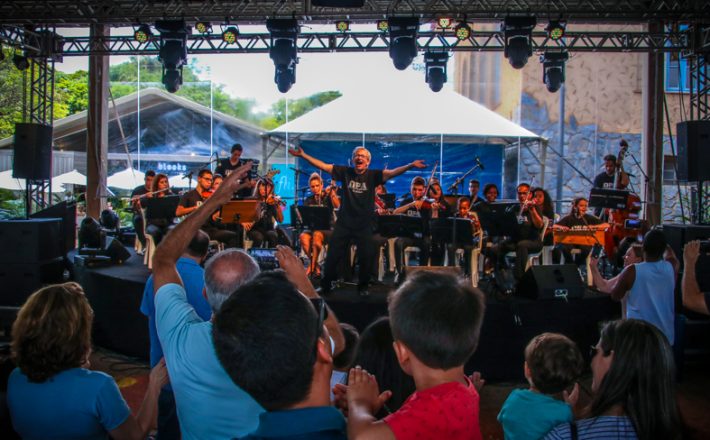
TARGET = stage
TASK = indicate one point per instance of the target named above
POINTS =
(115, 293)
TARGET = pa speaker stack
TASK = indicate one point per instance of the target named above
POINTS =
(557, 281)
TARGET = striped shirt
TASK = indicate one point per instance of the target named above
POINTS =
(602, 427)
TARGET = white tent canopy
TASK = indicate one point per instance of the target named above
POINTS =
(126, 179)
(180, 181)
(402, 105)
(14, 184)
(73, 177)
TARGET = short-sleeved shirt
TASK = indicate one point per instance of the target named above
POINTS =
(209, 404)
(225, 168)
(603, 180)
(526, 229)
(356, 210)
(447, 411)
(601, 428)
(530, 415)
(572, 221)
(193, 278)
(139, 191)
(74, 404)
(424, 213)
(191, 198)
(317, 423)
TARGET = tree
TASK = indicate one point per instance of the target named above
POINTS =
(296, 108)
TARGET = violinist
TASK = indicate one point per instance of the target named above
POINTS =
(136, 195)
(312, 241)
(414, 206)
(473, 187)
(463, 210)
(380, 204)
(576, 219)
(234, 161)
(269, 214)
(440, 208)
(543, 201)
(158, 227)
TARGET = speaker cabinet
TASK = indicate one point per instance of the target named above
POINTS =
(33, 152)
(30, 241)
(116, 250)
(693, 151)
(557, 281)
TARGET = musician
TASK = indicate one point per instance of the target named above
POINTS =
(463, 210)
(414, 206)
(158, 227)
(526, 235)
(136, 195)
(380, 204)
(320, 197)
(264, 229)
(576, 219)
(216, 182)
(544, 204)
(234, 161)
(473, 187)
(606, 178)
(440, 208)
(355, 218)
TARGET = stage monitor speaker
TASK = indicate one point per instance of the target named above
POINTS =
(116, 250)
(557, 281)
(693, 151)
(33, 151)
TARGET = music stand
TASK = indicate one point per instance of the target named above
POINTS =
(497, 219)
(451, 230)
(160, 207)
(315, 218)
(399, 225)
(239, 211)
(608, 198)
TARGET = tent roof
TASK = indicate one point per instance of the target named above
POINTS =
(402, 106)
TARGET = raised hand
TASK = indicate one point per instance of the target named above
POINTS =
(295, 272)
(419, 164)
(363, 391)
(295, 152)
(691, 251)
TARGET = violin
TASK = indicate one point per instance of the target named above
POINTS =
(206, 193)
(272, 199)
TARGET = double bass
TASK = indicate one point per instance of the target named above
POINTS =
(617, 217)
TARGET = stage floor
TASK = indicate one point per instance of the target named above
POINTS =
(115, 293)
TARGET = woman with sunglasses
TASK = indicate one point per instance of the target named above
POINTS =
(633, 387)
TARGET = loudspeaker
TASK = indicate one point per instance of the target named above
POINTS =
(551, 282)
(33, 151)
(116, 250)
(30, 241)
(693, 151)
(19, 281)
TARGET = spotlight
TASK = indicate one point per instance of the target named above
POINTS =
(556, 29)
(20, 61)
(283, 51)
(142, 34)
(444, 22)
(342, 25)
(553, 69)
(436, 69)
(462, 31)
(383, 25)
(518, 40)
(230, 35)
(203, 27)
(173, 52)
(403, 40)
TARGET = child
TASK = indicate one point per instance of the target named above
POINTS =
(552, 364)
(436, 321)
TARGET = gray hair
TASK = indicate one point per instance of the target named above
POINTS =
(369, 156)
(225, 273)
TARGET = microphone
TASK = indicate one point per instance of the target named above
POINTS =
(188, 175)
(480, 165)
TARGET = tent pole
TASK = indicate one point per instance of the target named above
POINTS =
(441, 159)
(560, 163)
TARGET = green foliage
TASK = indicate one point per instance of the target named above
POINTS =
(10, 95)
(299, 107)
(11, 206)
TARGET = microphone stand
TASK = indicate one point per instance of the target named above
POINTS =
(459, 181)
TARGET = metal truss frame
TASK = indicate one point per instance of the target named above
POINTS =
(122, 12)
(698, 58)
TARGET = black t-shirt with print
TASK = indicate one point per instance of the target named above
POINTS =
(572, 221)
(356, 209)
(191, 198)
(603, 180)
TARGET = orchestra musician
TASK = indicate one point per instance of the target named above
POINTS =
(312, 241)
(526, 237)
(606, 178)
(136, 195)
(463, 210)
(440, 208)
(542, 200)
(414, 205)
(234, 161)
(355, 217)
(158, 227)
(473, 187)
(380, 205)
(264, 229)
(576, 219)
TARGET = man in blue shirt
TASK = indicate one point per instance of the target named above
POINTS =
(209, 403)
(188, 266)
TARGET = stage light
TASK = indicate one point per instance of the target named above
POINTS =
(230, 35)
(173, 52)
(403, 40)
(436, 69)
(553, 69)
(518, 40)
(444, 22)
(20, 61)
(342, 26)
(203, 27)
(142, 34)
(283, 51)
(556, 29)
(383, 25)
(462, 31)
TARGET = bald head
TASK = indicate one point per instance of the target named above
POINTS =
(225, 273)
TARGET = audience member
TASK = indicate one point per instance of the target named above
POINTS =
(436, 321)
(647, 287)
(693, 298)
(346, 359)
(52, 393)
(633, 387)
(632, 255)
(552, 365)
(285, 367)
(188, 266)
